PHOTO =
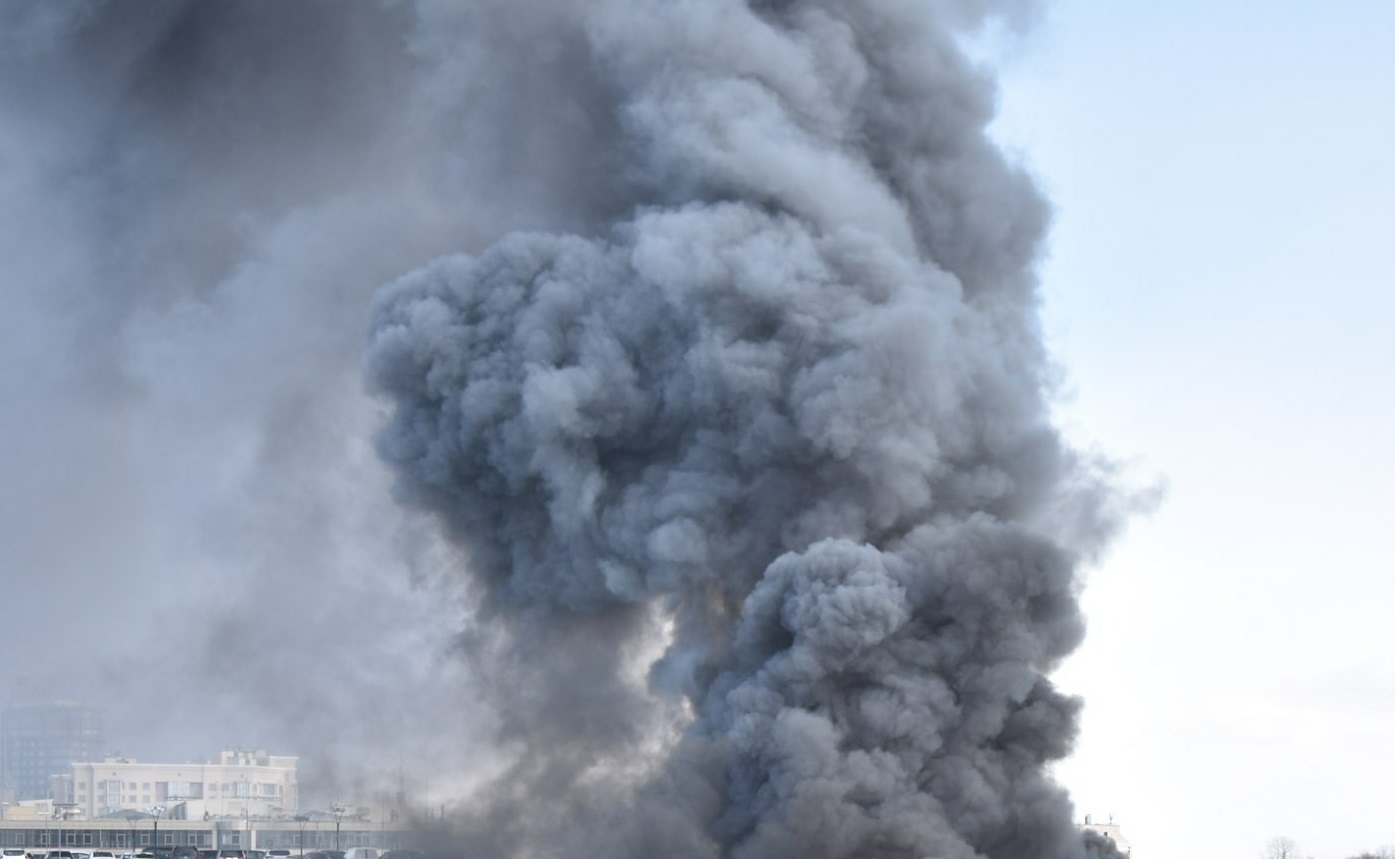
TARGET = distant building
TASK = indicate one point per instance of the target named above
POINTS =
(310, 830)
(235, 784)
(1111, 831)
(39, 741)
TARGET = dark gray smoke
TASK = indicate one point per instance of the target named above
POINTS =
(745, 447)
(772, 410)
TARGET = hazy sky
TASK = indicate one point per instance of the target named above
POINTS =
(1220, 296)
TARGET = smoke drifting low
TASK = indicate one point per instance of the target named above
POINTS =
(197, 202)
(726, 389)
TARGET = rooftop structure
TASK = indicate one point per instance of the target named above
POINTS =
(1109, 830)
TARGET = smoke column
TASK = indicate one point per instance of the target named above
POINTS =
(772, 408)
(732, 404)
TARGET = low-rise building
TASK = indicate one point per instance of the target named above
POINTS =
(234, 784)
(312, 831)
(27, 809)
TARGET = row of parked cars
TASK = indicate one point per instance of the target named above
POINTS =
(184, 852)
(143, 853)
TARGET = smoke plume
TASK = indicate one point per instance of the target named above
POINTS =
(726, 386)
(778, 413)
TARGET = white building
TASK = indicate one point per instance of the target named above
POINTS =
(1111, 831)
(235, 784)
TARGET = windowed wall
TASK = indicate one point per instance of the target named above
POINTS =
(118, 837)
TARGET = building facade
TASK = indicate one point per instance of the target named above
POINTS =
(318, 831)
(235, 784)
(1109, 830)
(39, 741)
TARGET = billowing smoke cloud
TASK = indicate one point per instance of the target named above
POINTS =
(775, 412)
(733, 403)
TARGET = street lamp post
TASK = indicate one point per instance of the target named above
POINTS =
(338, 814)
(61, 812)
(156, 810)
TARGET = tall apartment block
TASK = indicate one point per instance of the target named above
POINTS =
(38, 741)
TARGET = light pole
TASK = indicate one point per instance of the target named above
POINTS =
(156, 810)
(63, 811)
(338, 814)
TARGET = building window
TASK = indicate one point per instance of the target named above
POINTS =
(109, 794)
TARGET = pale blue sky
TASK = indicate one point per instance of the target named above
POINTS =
(1220, 295)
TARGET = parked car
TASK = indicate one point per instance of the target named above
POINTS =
(362, 853)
